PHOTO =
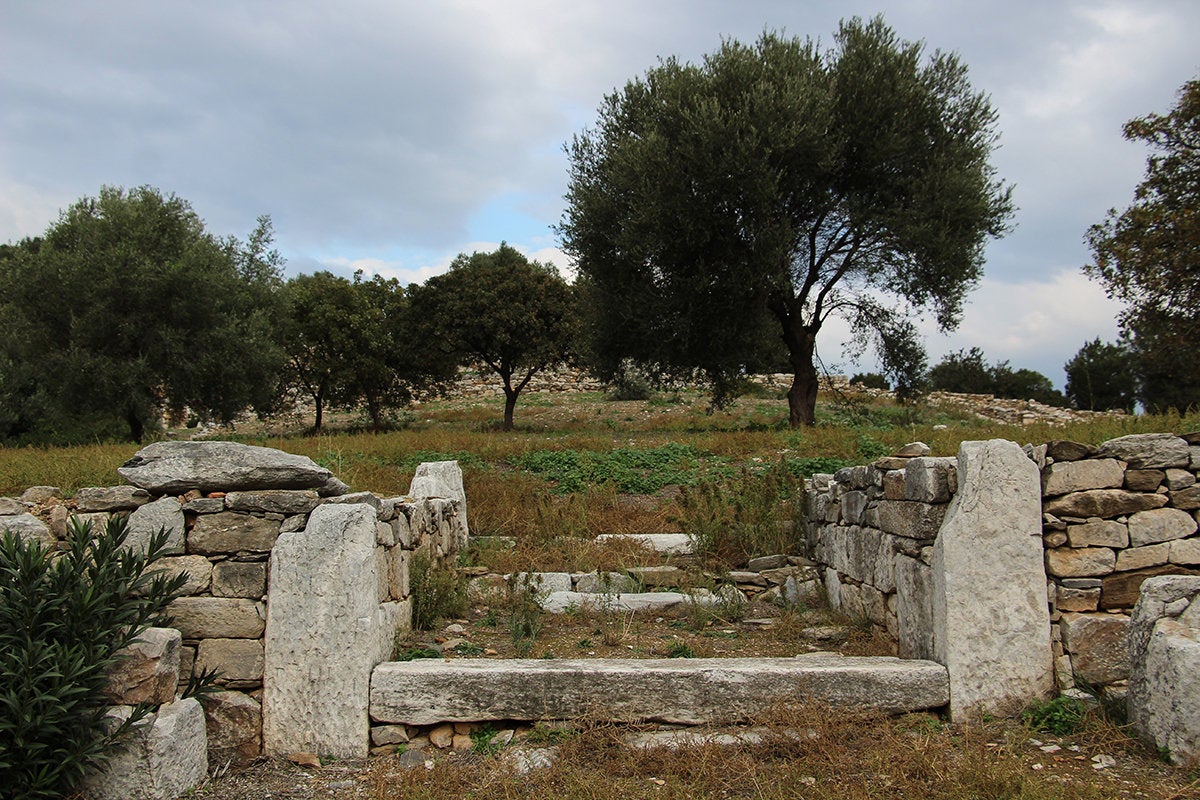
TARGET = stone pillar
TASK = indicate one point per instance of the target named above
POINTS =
(991, 624)
(326, 630)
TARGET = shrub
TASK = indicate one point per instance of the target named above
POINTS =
(522, 604)
(871, 380)
(438, 592)
(1062, 716)
(63, 617)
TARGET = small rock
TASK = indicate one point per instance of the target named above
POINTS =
(442, 736)
(913, 450)
(305, 759)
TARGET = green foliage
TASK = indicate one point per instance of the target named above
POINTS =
(483, 741)
(1148, 256)
(522, 605)
(629, 470)
(731, 521)
(773, 185)
(414, 653)
(128, 307)
(63, 617)
(438, 591)
(870, 380)
(966, 371)
(678, 649)
(1101, 377)
(1062, 716)
(509, 315)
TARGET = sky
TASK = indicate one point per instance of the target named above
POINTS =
(391, 136)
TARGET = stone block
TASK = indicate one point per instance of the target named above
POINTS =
(1179, 479)
(893, 484)
(147, 670)
(279, 501)
(1185, 551)
(1144, 480)
(1098, 533)
(930, 480)
(676, 690)
(36, 495)
(1080, 562)
(205, 505)
(1068, 599)
(209, 466)
(649, 577)
(163, 758)
(1150, 555)
(611, 582)
(1064, 450)
(197, 568)
(110, 498)
(399, 573)
(1186, 499)
(1160, 525)
(909, 519)
(27, 527)
(853, 503)
(217, 618)
(441, 479)
(1148, 450)
(232, 532)
(234, 724)
(239, 579)
(1077, 476)
(1120, 590)
(239, 661)
(1104, 503)
(1098, 647)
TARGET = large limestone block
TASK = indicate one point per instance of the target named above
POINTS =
(1185, 551)
(278, 501)
(441, 479)
(325, 633)
(1160, 525)
(1121, 589)
(110, 498)
(1098, 646)
(914, 608)
(561, 602)
(1186, 499)
(147, 670)
(910, 520)
(1164, 654)
(163, 514)
(27, 527)
(238, 662)
(1077, 476)
(177, 467)
(217, 617)
(1098, 533)
(239, 579)
(990, 621)
(197, 568)
(687, 691)
(164, 757)
(1148, 450)
(1081, 562)
(930, 480)
(234, 723)
(1150, 555)
(1103, 503)
(232, 532)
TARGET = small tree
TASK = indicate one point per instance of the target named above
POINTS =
(775, 185)
(63, 617)
(964, 371)
(502, 312)
(1101, 377)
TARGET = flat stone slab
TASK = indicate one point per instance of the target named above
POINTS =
(176, 467)
(560, 602)
(676, 544)
(690, 691)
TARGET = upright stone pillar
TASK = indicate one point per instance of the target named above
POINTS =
(990, 615)
(326, 630)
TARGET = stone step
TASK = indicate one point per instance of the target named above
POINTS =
(684, 691)
(676, 544)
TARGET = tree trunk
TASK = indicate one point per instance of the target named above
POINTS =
(375, 409)
(319, 401)
(802, 396)
(510, 403)
(137, 427)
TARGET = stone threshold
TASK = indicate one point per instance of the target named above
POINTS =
(693, 691)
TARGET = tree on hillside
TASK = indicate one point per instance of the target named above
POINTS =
(1101, 377)
(1148, 256)
(351, 341)
(775, 185)
(128, 307)
(500, 312)
(966, 371)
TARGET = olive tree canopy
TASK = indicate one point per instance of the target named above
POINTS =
(772, 186)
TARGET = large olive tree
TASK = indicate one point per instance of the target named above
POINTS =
(772, 186)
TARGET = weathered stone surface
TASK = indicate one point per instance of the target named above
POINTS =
(176, 467)
(543, 581)
(110, 498)
(28, 527)
(914, 608)
(441, 479)
(389, 734)
(1186, 499)
(1098, 533)
(145, 671)
(910, 520)
(279, 501)
(1069, 599)
(40, 494)
(1141, 557)
(1178, 479)
(217, 618)
(1148, 450)
(239, 579)
(11, 508)
(1103, 503)
(610, 582)
(231, 532)
(164, 757)
(651, 577)
(690, 691)
(559, 602)
(205, 505)
(368, 498)
(1160, 525)
(1120, 590)
(760, 563)
(1098, 647)
(239, 661)
(930, 480)
(913, 450)
(1064, 450)
(198, 569)
(1185, 551)
(164, 513)
(853, 503)
(988, 556)
(324, 634)
(1144, 480)
(1077, 476)
(1080, 562)
(234, 723)
(1164, 654)
(666, 543)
